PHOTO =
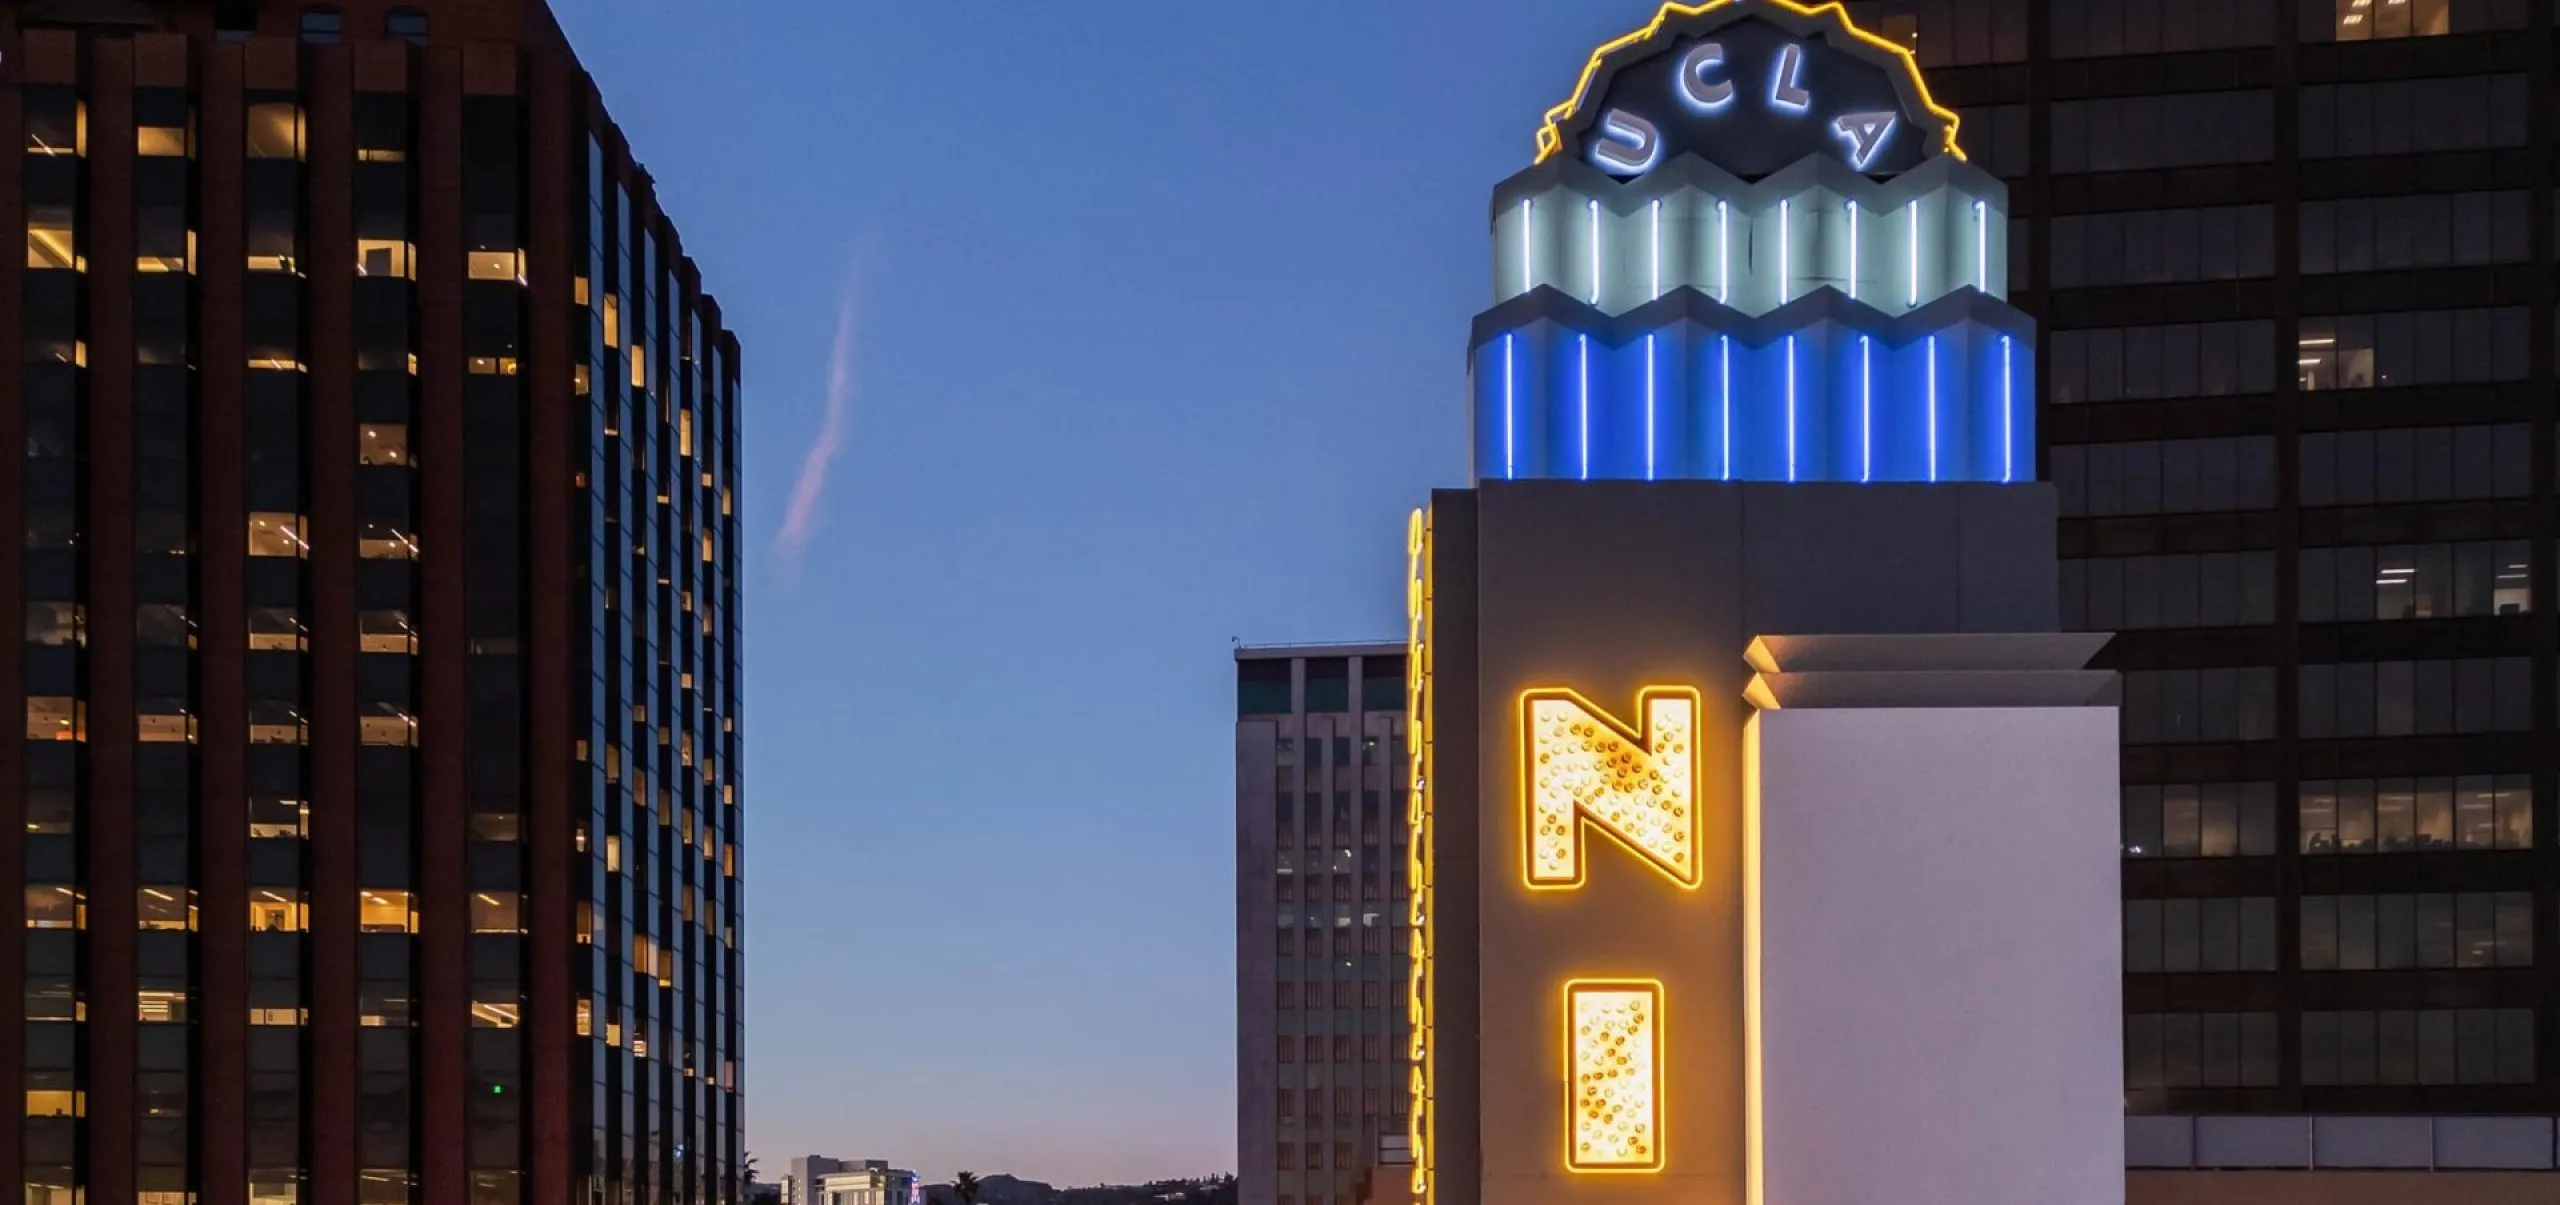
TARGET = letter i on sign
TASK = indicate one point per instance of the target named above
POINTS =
(1585, 771)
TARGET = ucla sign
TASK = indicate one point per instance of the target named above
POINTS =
(1753, 95)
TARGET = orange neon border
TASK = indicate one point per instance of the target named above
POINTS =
(1551, 132)
(1661, 1124)
(1640, 739)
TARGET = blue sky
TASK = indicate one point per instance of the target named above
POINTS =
(1147, 321)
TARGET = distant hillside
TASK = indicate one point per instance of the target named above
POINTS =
(1009, 1190)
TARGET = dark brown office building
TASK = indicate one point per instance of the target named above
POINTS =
(2293, 264)
(373, 452)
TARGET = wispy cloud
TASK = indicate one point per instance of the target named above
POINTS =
(800, 520)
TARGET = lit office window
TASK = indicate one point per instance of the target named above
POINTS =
(2411, 815)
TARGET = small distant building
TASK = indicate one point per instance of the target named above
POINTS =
(819, 1180)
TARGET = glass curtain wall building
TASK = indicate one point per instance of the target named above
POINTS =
(372, 454)
(1321, 941)
(2291, 261)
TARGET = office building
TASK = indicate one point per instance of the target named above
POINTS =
(2288, 256)
(1321, 954)
(819, 1180)
(374, 820)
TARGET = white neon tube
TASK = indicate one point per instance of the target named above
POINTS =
(1724, 256)
(1595, 252)
(1657, 247)
(1981, 248)
(1853, 250)
(1913, 209)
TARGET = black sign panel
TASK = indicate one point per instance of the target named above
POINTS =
(1752, 97)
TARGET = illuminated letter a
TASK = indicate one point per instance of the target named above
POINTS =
(1584, 768)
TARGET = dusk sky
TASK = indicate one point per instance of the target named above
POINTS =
(1081, 339)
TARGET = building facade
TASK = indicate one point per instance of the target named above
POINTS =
(1321, 943)
(819, 1180)
(2290, 258)
(373, 453)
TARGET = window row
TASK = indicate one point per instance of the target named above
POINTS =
(2140, 133)
(2166, 27)
(167, 625)
(2371, 20)
(2431, 1046)
(2420, 347)
(2187, 706)
(1949, 33)
(2182, 936)
(2207, 820)
(2416, 698)
(2417, 581)
(323, 25)
(1344, 1048)
(2415, 815)
(2432, 230)
(2164, 246)
(2416, 464)
(2200, 1050)
(2399, 117)
(2435, 930)
(2163, 477)
(2186, 590)
(271, 910)
(2180, 360)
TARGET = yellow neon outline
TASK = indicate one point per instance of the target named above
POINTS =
(1755, 1171)
(1661, 1096)
(1422, 1120)
(1641, 740)
(1551, 132)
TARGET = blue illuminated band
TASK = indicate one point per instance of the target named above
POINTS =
(1867, 396)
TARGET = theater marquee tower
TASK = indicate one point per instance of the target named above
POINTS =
(1763, 826)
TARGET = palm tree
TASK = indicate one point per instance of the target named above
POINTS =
(965, 1187)
(748, 1169)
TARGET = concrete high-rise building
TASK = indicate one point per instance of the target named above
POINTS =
(1321, 929)
(371, 468)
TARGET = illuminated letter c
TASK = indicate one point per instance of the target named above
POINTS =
(1703, 94)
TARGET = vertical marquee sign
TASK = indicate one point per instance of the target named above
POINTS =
(1749, 250)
